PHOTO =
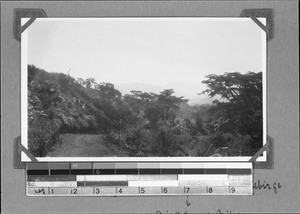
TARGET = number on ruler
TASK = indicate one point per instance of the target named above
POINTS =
(231, 189)
(186, 189)
(51, 191)
(209, 189)
(142, 190)
(120, 190)
(164, 190)
(98, 172)
(97, 190)
(74, 191)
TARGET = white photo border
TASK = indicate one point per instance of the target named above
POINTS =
(24, 105)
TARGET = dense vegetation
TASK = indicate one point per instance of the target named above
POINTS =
(146, 124)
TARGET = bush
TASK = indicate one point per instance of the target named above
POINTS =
(164, 140)
(42, 135)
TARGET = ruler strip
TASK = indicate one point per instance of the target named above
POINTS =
(204, 183)
(134, 191)
(125, 177)
(147, 165)
(109, 179)
(136, 171)
(106, 183)
(202, 177)
(173, 183)
(52, 184)
(51, 178)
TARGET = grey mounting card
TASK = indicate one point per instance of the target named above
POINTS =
(274, 190)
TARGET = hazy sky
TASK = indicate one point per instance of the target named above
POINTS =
(152, 53)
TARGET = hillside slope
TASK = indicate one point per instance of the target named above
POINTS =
(57, 104)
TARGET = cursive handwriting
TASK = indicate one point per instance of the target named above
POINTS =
(265, 185)
(188, 203)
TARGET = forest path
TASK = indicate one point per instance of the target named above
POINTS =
(84, 145)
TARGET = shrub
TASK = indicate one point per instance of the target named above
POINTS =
(42, 135)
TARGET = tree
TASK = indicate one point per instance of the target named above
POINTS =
(108, 91)
(31, 72)
(156, 107)
(169, 104)
(80, 81)
(239, 109)
(90, 82)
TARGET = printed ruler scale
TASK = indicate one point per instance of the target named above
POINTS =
(136, 179)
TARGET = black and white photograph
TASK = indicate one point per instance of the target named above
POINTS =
(178, 88)
(162, 107)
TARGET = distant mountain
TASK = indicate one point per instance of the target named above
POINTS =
(199, 100)
(125, 88)
(188, 90)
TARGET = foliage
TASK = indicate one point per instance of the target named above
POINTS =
(162, 141)
(72, 104)
(146, 124)
(155, 132)
(240, 110)
(42, 132)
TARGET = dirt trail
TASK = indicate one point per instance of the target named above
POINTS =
(83, 145)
